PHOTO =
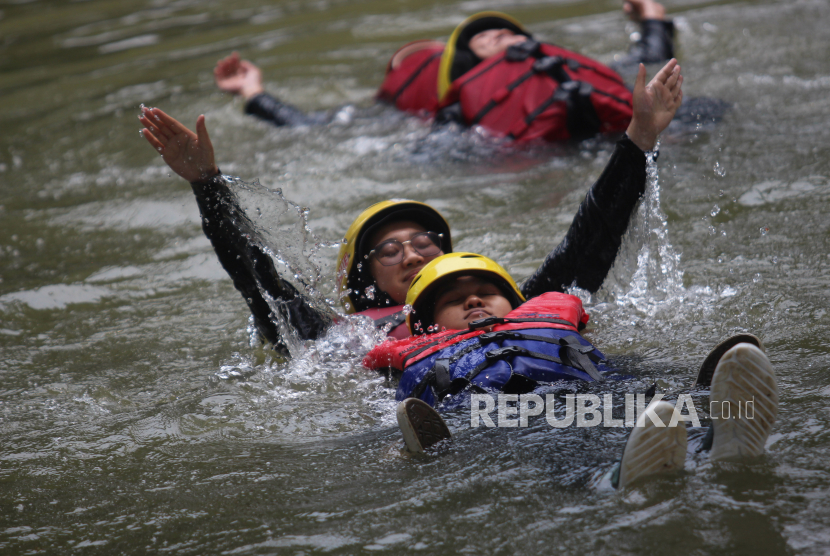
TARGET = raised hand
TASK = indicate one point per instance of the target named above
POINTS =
(639, 10)
(238, 77)
(188, 154)
(655, 104)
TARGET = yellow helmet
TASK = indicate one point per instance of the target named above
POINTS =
(353, 275)
(420, 295)
(457, 58)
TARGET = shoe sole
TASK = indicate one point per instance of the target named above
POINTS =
(421, 425)
(653, 450)
(744, 374)
(707, 369)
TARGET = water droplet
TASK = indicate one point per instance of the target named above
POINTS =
(719, 170)
(408, 310)
(764, 230)
(370, 292)
(715, 210)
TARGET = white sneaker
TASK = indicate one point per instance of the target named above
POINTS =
(743, 402)
(650, 449)
(707, 369)
(421, 425)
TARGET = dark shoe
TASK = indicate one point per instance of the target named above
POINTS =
(704, 376)
(421, 425)
(650, 449)
(743, 403)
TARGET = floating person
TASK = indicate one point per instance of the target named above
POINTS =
(490, 340)
(389, 243)
(526, 91)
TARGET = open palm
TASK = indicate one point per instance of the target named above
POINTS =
(655, 104)
(188, 154)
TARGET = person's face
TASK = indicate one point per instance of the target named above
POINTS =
(466, 299)
(395, 279)
(494, 41)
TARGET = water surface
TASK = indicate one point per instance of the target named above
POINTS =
(136, 417)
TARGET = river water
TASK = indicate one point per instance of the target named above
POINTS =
(136, 416)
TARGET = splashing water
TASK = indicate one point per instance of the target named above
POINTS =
(647, 272)
(283, 227)
(281, 230)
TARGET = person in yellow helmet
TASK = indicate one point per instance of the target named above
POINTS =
(416, 78)
(388, 245)
(480, 335)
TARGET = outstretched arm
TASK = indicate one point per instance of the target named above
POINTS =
(238, 77)
(590, 246)
(232, 235)
(243, 78)
(655, 104)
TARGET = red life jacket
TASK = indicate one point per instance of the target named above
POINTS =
(541, 91)
(549, 310)
(413, 85)
(384, 316)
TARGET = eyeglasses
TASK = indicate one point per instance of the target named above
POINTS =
(390, 252)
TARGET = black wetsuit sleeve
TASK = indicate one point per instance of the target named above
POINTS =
(252, 270)
(592, 242)
(279, 113)
(656, 45)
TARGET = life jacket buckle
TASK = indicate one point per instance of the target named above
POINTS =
(485, 322)
(497, 336)
(523, 50)
(546, 64)
(497, 354)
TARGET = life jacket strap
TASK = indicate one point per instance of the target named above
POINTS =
(440, 379)
(500, 96)
(577, 358)
(429, 345)
(550, 65)
(502, 335)
(490, 321)
(414, 76)
(582, 119)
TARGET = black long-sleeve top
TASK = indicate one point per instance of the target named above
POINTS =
(241, 252)
(583, 258)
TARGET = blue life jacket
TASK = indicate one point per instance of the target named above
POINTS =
(530, 347)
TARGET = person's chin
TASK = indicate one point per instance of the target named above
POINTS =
(476, 315)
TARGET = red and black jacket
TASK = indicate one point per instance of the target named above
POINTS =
(412, 86)
(537, 91)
